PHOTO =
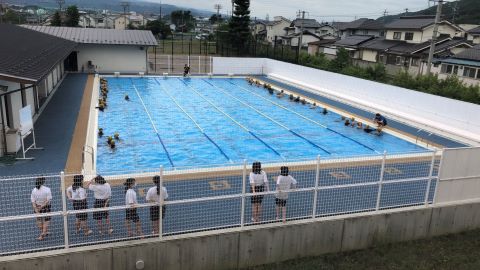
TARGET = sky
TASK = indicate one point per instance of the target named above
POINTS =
(321, 10)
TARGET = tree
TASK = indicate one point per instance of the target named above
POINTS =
(158, 28)
(13, 17)
(56, 19)
(216, 19)
(183, 20)
(240, 24)
(341, 61)
(72, 16)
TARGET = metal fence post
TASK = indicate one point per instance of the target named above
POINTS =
(168, 60)
(430, 174)
(64, 208)
(315, 196)
(199, 64)
(160, 220)
(244, 186)
(438, 179)
(380, 183)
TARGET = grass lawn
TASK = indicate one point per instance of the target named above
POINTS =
(456, 252)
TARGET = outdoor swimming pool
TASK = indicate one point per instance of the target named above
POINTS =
(176, 122)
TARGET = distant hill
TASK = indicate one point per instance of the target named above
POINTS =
(113, 5)
(467, 12)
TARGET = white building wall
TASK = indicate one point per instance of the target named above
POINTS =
(369, 55)
(276, 30)
(112, 58)
(417, 36)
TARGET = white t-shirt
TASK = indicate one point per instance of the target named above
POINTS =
(153, 196)
(41, 196)
(258, 179)
(101, 192)
(131, 197)
(284, 183)
(78, 194)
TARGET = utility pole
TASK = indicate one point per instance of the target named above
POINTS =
(233, 6)
(455, 9)
(406, 11)
(434, 37)
(160, 16)
(60, 4)
(300, 39)
(125, 6)
(217, 7)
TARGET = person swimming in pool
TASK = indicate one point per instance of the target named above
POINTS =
(313, 106)
(367, 129)
(280, 94)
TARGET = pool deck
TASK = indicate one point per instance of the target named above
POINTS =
(411, 131)
(54, 129)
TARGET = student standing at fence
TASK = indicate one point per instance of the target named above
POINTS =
(131, 202)
(41, 202)
(156, 194)
(102, 193)
(258, 182)
(285, 182)
(78, 195)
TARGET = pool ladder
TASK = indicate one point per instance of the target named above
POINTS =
(418, 136)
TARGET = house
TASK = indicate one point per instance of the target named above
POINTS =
(406, 44)
(474, 35)
(294, 32)
(465, 65)
(121, 22)
(350, 43)
(93, 21)
(418, 29)
(317, 47)
(32, 65)
(327, 30)
(276, 28)
(364, 27)
(104, 50)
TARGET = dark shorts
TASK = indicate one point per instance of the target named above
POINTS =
(101, 214)
(132, 215)
(80, 205)
(155, 212)
(46, 209)
(259, 198)
(280, 202)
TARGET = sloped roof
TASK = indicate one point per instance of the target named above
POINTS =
(340, 25)
(323, 42)
(475, 31)
(380, 44)
(30, 55)
(353, 41)
(470, 54)
(98, 36)
(411, 23)
(355, 24)
(308, 23)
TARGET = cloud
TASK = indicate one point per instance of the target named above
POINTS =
(318, 9)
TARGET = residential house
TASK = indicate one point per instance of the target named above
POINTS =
(276, 29)
(327, 30)
(317, 47)
(363, 27)
(474, 35)
(93, 21)
(351, 44)
(310, 29)
(121, 22)
(407, 43)
(465, 65)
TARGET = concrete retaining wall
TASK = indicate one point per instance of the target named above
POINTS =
(232, 249)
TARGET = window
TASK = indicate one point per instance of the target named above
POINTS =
(469, 72)
(455, 70)
(415, 62)
(478, 74)
(397, 35)
(324, 32)
(409, 36)
(447, 69)
(381, 58)
(398, 60)
(365, 32)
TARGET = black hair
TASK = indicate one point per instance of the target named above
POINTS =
(256, 167)
(128, 183)
(77, 181)
(156, 181)
(377, 114)
(39, 182)
(100, 180)
(284, 171)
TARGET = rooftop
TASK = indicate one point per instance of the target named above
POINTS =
(353, 41)
(411, 22)
(30, 55)
(98, 36)
(475, 31)
(308, 23)
(472, 54)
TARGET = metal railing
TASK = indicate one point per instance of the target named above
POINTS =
(216, 198)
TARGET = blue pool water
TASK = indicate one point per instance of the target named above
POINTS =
(176, 122)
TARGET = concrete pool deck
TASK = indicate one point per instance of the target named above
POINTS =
(54, 129)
